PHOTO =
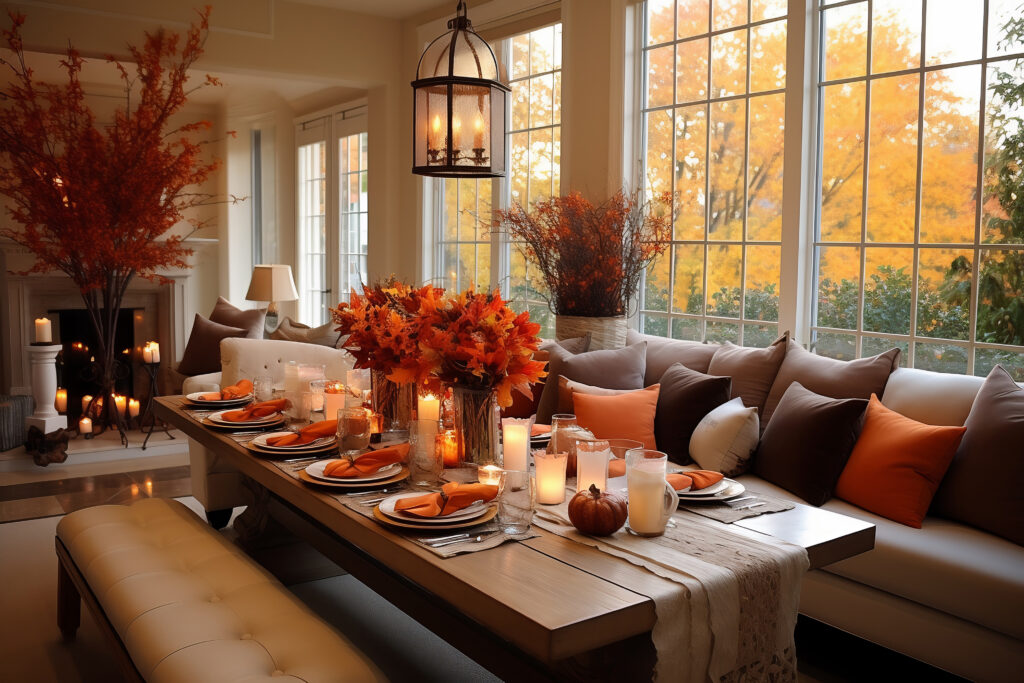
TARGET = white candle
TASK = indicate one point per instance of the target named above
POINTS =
(85, 402)
(515, 441)
(592, 465)
(61, 402)
(44, 333)
(133, 407)
(428, 408)
(147, 353)
(85, 426)
(155, 350)
(489, 474)
(550, 477)
(121, 402)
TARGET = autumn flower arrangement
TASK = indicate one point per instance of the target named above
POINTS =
(591, 256)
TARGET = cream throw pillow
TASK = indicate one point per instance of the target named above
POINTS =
(725, 439)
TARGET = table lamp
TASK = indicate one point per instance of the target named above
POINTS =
(272, 283)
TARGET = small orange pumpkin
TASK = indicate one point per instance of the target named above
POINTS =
(597, 513)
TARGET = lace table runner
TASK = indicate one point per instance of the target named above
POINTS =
(734, 614)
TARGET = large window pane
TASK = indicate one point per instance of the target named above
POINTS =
(892, 159)
(846, 41)
(842, 180)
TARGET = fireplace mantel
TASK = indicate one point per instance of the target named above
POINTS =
(168, 309)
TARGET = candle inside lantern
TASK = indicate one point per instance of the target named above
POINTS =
(489, 474)
(44, 333)
(550, 476)
(478, 132)
(515, 442)
(133, 407)
(85, 426)
(436, 139)
(61, 402)
(121, 403)
(428, 408)
(85, 402)
(449, 446)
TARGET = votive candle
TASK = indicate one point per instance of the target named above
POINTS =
(489, 474)
(449, 445)
(550, 476)
(121, 402)
(133, 407)
(85, 426)
(61, 401)
(44, 332)
(428, 407)
(515, 440)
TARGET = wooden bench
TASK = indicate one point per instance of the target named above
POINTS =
(180, 603)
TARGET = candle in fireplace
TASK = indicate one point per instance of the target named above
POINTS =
(121, 402)
(61, 402)
(85, 403)
(133, 407)
(85, 426)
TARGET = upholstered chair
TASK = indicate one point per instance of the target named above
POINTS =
(215, 483)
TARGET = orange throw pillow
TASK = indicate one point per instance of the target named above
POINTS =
(897, 464)
(626, 416)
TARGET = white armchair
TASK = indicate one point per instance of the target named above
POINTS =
(216, 484)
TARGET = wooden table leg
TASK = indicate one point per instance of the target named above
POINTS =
(69, 603)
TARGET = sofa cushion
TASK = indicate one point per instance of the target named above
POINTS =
(985, 484)
(251, 320)
(935, 398)
(686, 397)
(806, 445)
(897, 464)
(662, 353)
(289, 330)
(608, 368)
(724, 439)
(625, 416)
(945, 565)
(567, 387)
(752, 370)
(202, 353)
(829, 377)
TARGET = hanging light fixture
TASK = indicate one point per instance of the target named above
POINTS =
(459, 106)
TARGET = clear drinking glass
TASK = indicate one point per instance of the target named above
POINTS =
(263, 387)
(425, 458)
(516, 502)
(297, 405)
(353, 431)
(592, 457)
(620, 446)
(651, 498)
(562, 426)
(316, 388)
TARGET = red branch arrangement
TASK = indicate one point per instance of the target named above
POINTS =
(96, 201)
(590, 256)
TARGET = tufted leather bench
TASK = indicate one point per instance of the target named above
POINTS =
(184, 604)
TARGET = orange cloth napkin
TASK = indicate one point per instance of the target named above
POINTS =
(368, 463)
(242, 387)
(307, 434)
(695, 479)
(679, 481)
(704, 478)
(209, 397)
(537, 430)
(452, 497)
(255, 411)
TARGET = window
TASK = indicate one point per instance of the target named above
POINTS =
(913, 247)
(713, 121)
(333, 210)
(467, 249)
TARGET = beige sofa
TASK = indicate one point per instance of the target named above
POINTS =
(946, 594)
(216, 484)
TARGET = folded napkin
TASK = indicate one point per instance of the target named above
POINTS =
(307, 434)
(212, 396)
(703, 478)
(242, 387)
(255, 411)
(452, 497)
(367, 463)
(537, 430)
(695, 480)
(680, 482)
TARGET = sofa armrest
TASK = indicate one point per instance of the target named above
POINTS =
(194, 384)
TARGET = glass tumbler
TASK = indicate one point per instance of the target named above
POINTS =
(516, 502)
(263, 387)
(425, 458)
(353, 431)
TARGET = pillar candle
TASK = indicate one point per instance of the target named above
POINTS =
(85, 402)
(61, 403)
(449, 445)
(147, 353)
(121, 402)
(155, 349)
(85, 426)
(515, 441)
(550, 476)
(428, 408)
(44, 333)
(133, 407)
(334, 399)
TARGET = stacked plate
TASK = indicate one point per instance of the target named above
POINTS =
(217, 420)
(723, 490)
(193, 401)
(477, 513)
(261, 445)
(314, 474)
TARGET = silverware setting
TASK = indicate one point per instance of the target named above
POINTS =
(747, 507)
(737, 500)
(469, 539)
(372, 501)
(365, 493)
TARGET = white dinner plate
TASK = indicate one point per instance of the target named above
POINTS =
(387, 507)
(316, 470)
(712, 490)
(731, 489)
(222, 403)
(323, 441)
(217, 418)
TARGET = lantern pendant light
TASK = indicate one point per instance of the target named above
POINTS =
(459, 117)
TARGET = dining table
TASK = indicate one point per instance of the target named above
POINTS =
(543, 608)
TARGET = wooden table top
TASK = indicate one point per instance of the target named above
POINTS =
(530, 593)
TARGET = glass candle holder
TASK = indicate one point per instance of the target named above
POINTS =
(353, 431)
(592, 464)
(550, 477)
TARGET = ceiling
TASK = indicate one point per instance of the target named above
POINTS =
(392, 9)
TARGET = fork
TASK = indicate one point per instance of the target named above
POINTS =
(475, 539)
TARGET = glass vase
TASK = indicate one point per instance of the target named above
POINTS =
(476, 426)
(393, 402)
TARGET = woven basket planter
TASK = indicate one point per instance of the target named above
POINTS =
(605, 333)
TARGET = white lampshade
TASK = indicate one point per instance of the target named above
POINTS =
(272, 283)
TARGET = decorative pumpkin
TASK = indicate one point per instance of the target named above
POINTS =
(597, 513)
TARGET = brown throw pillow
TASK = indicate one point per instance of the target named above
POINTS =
(829, 377)
(662, 353)
(609, 369)
(752, 370)
(686, 397)
(983, 485)
(202, 353)
(806, 446)
(251, 320)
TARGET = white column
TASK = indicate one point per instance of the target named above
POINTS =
(43, 360)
